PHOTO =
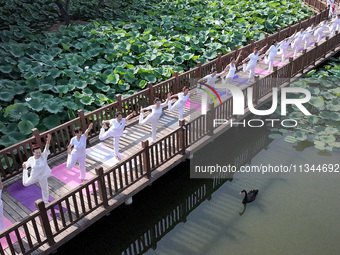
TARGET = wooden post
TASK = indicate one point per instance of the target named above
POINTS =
(315, 51)
(176, 88)
(266, 36)
(151, 93)
(219, 63)
(199, 70)
(275, 77)
(101, 186)
(36, 134)
(45, 223)
(181, 137)
(146, 158)
(291, 59)
(210, 119)
(304, 51)
(256, 94)
(81, 115)
(119, 102)
(252, 44)
(326, 48)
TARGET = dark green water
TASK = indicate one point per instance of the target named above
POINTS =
(295, 214)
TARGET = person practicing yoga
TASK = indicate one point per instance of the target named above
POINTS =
(253, 57)
(320, 29)
(270, 55)
(297, 41)
(116, 129)
(78, 154)
(157, 109)
(40, 171)
(283, 47)
(182, 98)
(230, 69)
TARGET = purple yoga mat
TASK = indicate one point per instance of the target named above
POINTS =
(28, 195)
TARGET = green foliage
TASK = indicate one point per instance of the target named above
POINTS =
(321, 129)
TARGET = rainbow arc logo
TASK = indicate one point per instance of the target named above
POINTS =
(204, 102)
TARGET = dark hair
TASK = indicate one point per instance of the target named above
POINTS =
(287, 36)
(232, 58)
(156, 100)
(274, 41)
(77, 129)
(213, 70)
(256, 48)
(184, 88)
(117, 114)
(35, 147)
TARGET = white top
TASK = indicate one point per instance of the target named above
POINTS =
(253, 58)
(156, 113)
(232, 69)
(272, 51)
(39, 166)
(320, 29)
(336, 22)
(182, 98)
(78, 146)
(211, 80)
(117, 128)
(284, 45)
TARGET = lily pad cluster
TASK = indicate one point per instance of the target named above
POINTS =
(322, 128)
(46, 77)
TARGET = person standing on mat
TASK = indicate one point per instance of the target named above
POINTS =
(253, 57)
(211, 78)
(116, 129)
(297, 41)
(40, 171)
(320, 29)
(271, 54)
(78, 142)
(283, 47)
(335, 25)
(231, 69)
(182, 97)
(2, 219)
(157, 109)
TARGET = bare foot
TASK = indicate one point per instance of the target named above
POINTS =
(118, 158)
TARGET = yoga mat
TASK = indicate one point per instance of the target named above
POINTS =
(193, 105)
(276, 63)
(100, 152)
(12, 235)
(241, 80)
(71, 177)
(28, 195)
(261, 71)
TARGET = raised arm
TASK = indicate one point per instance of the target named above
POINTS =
(263, 49)
(131, 115)
(238, 57)
(48, 141)
(88, 129)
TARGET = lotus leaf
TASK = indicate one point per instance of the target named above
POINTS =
(32, 117)
(51, 121)
(25, 127)
(275, 136)
(290, 139)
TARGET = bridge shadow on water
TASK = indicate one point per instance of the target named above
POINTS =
(161, 207)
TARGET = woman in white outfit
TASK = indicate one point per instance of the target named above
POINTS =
(307, 34)
(182, 99)
(40, 169)
(253, 57)
(157, 109)
(321, 28)
(2, 220)
(283, 47)
(211, 78)
(270, 55)
(230, 69)
(335, 25)
(297, 41)
(116, 129)
(78, 142)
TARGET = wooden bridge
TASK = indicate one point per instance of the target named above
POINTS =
(75, 208)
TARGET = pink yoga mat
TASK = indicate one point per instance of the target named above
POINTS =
(12, 235)
(261, 71)
(276, 63)
(193, 105)
(70, 177)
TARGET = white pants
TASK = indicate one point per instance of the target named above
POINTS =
(104, 135)
(27, 181)
(296, 46)
(250, 68)
(177, 105)
(318, 36)
(270, 62)
(72, 160)
(151, 118)
(306, 40)
(283, 55)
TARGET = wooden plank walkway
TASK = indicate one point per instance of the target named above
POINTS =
(130, 143)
